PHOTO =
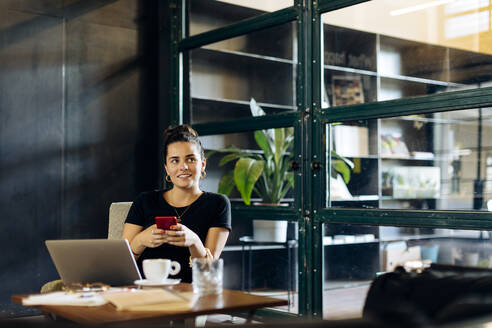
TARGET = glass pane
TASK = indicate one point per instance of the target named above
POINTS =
(227, 75)
(261, 254)
(264, 262)
(354, 254)
(206, 15)
(434, 161)
(238, 156)
(381, 50)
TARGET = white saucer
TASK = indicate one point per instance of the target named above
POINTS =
(149, 283)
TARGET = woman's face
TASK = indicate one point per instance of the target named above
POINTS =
(184, 164)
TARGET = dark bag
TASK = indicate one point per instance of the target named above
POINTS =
(439, 294)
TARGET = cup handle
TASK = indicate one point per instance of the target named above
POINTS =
(175, 268)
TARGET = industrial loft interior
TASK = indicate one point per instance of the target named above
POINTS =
(352, 138)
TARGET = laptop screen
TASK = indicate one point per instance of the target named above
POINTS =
(94, 260)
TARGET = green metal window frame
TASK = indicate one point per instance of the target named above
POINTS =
(456, 100)
(309, 122)
(180, 44)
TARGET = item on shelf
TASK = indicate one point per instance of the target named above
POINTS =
(368, 237)
(446, 255)
(360, 238)
(351, 141)
(422, 155)
(387, 183)
(429, 252)
(470, 258)
(385, 146)
(393, 145)
(347, 90)
(338, 188)
(325, 102)
(269, 230)
(398, 253)
(416, 181)
(343, 239)
(368, 197)
(327, 240)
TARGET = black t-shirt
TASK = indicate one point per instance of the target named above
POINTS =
(209, 210)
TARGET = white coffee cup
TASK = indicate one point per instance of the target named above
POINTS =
(158, 270)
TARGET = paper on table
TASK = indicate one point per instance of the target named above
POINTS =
(63, 298)
(151, 300)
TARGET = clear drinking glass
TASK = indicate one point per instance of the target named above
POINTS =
(207, 276)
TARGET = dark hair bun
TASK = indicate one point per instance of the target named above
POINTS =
(180, 130)
(181, 133)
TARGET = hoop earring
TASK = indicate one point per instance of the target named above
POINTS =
(168, 178)
(203, 175)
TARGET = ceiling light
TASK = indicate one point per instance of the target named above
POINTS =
(418, 7)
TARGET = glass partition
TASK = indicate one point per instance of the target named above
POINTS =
(261, 254)
(227, 76)
(355, 254)
(206, 15)
(381, 50)
(430, 161)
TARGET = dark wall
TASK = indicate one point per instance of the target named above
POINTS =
(79, 124)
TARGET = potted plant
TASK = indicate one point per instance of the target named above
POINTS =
(266, 173)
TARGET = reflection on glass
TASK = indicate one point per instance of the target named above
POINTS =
(226, 75)
(381, 50)
(354, 254)
(428, 161)
(206, 15)
(253, 168)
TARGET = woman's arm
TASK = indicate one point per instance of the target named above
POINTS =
(130, 232)
(216, 240)
(140, 239)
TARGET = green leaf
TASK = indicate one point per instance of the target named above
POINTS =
(288, 143)
(290, 179)
(346, 160)
(279, 143)
(288, 185)
(246, 173)
(228, 158)
(262, 141)
(228, 149)
(226, 183)
(341, 165)
(342, 168)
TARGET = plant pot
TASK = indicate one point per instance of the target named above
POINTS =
(268, 230)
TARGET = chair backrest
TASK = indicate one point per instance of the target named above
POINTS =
(117, 215)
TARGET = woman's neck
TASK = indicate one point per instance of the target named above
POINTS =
(178, 197)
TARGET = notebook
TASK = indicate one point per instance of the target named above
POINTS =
(94, 260)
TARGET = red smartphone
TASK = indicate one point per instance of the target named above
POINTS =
(165, 222)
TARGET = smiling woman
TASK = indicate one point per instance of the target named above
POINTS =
(204, 218)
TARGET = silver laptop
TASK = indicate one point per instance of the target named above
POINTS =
(94, 260)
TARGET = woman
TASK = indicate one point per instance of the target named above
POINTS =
(204, 218)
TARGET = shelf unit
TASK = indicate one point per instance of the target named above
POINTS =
(224, 75)
(386, 68)
(227, 74)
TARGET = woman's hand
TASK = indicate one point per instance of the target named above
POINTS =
(152, 237)
(181, 235)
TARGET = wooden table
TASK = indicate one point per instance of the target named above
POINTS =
(230, 301)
